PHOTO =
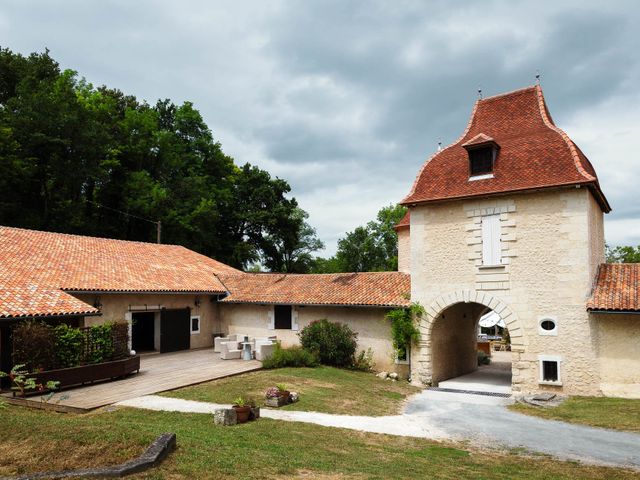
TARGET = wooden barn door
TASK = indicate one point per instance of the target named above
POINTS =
(175, 329)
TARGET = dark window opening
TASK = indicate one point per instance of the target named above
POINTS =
(195, 324)
(549, 371)
(481, 161)
(282, 317)
(402, 354)
(548, 325)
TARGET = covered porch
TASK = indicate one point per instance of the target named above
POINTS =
(158, 373)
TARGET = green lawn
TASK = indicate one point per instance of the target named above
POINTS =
(616, 413)
(34, 440)
(321, 389)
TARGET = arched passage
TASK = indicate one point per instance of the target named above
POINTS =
(449, 334)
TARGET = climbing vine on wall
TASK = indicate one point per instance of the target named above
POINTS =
(404, 329)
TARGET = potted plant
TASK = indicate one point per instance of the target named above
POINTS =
(276, 396)
(283, 392)
(242, 409)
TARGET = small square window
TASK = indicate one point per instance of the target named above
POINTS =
(550, 370)
(195, 324)
(282, 317)
(480, 161)
(402, 355)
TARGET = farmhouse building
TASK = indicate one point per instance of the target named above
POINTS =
(508, 219)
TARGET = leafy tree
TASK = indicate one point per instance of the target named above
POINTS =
(96, 161)
(371, 248)
(623, 254)
(289, 248)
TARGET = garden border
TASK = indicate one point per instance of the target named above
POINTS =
(157, 451)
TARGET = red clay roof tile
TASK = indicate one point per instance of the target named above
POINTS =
(534, 154)
(405, 221)
(35, 266)
(374, 289)
(617, 288)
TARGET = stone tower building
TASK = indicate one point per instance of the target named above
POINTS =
(508, 218)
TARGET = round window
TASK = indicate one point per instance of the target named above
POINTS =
(548, 325)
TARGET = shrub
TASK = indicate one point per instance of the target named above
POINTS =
(100, 343)
(69, 343)
(334, 343)
(364, 361)
(34, 345)
(290, 357)
(483, 358)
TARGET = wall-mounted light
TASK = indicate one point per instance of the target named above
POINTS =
(197, 302)
(97, 304)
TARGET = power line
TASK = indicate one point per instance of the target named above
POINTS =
(158, 223)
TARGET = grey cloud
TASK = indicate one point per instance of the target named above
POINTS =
(346, 100)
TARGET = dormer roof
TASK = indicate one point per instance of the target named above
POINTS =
(534, 154)
(479, 140)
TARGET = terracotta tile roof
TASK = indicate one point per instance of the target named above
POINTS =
(375, 289)
(533, 154)
(31, 299)
(617, 288)
(479, 139)
(405, 222)
(35, 266)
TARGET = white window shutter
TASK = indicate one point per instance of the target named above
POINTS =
(294, 318)
(491, 245)
(271, 324)
(496, 244)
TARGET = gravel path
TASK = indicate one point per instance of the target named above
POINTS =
(401, 425)
(436, 415)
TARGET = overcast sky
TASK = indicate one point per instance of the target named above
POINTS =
(346, 99)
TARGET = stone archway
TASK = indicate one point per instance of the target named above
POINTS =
(421, 358)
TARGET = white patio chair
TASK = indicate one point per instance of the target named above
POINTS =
(218, 341)
(229, 351)
(264, 350)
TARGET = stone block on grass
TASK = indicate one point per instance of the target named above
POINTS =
(225, 416)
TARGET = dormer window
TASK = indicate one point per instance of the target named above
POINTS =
(481, 161)
(482, 150)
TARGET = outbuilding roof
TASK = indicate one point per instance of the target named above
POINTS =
(36, 268)
(405, 222)
(617, 288)
(371, 289)
(533, 154)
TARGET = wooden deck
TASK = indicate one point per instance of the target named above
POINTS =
(158, 373)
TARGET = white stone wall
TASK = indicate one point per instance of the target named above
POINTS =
(619, 354)
(550, 244)
(404, 250)
(116, 306)
(374, 330)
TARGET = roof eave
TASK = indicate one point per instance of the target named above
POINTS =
(598, 195)
(303, 304)
(50, 315)
(147, 292)
(613, 311)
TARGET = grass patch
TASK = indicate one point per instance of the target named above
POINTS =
(321, 389)
(265, 449)
(615, 413)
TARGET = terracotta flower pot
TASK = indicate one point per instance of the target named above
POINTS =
(284, 394)
(242, 413)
